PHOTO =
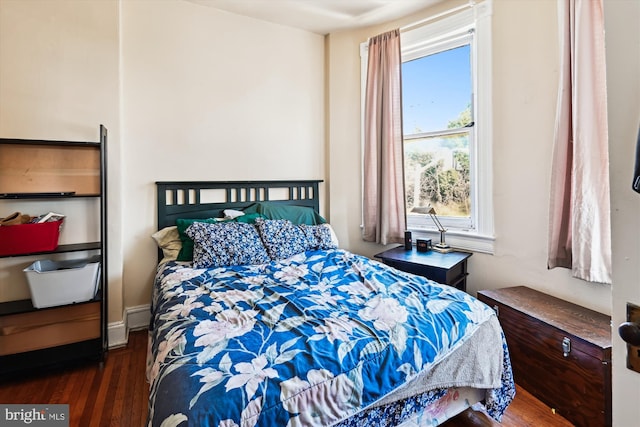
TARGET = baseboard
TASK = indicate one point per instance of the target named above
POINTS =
(133, 318)
(117, 332)
(138, 317)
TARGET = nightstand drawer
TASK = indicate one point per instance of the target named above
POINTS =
(448, 268)
(438, 274)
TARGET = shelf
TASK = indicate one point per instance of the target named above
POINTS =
(15, 307)
(17, 141)
(26, 306)
(74, 247)
(42, 196)
(40, 362)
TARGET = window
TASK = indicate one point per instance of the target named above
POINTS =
(437, 97)
(446, 79)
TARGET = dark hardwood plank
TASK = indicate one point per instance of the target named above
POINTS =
(524, 411)
(139, 400)
(118, 414)
(116, 394)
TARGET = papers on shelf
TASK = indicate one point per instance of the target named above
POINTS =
(49, 217)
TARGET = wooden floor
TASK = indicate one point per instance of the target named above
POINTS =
(524, 411)
(117, 394)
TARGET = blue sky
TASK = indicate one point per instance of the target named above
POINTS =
(436, 90)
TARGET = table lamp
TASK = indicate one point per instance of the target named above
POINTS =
(441, 247)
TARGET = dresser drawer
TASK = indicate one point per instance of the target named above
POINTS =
(560, 352)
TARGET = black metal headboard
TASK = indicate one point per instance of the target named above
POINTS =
(207, 199)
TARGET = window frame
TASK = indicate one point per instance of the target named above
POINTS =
(432, 38)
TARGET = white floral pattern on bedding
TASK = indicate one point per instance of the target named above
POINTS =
(308, 341)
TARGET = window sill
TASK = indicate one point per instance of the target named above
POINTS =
(466, 241)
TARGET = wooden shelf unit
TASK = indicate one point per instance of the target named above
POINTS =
(51, 170)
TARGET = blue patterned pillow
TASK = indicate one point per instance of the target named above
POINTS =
(226, 243)
(319, 236)
(282, 238)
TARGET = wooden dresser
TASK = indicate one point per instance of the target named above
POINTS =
(560, 352)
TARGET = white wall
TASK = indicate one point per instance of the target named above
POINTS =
(525, 68)
(59, 80)
(209, 95)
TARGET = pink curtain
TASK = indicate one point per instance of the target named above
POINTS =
(384, 204)
(579, 216)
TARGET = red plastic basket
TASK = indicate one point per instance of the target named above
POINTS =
(29, 238)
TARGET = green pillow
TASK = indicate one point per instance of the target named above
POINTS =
(248, 218)
(296, 214)
(186, 252)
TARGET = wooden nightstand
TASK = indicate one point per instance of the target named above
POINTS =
(449, 269)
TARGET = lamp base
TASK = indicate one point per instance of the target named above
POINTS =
(442, 248)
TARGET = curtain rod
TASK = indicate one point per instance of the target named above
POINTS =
(438, 15)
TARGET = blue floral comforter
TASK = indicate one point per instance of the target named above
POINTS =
(308, 341)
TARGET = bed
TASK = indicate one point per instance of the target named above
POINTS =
(271, 323)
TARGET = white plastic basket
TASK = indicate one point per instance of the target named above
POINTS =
(54, 283)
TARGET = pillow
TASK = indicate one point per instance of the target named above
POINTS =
(319, 236)
(168, 239)
(334, 236)
(295, 214)
(282, 238)
(186, 252)
(248, 218)
(226, 243)
(232, 213)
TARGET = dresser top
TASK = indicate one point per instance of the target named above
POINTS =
(576, 320)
